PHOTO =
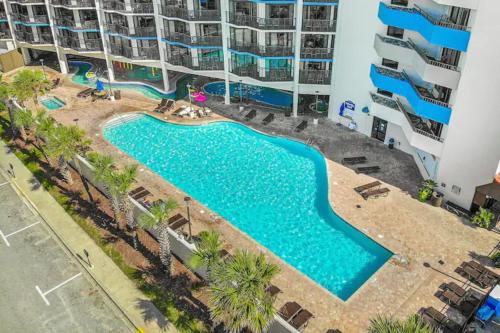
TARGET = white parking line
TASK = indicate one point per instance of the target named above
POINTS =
(42, 294)
(4, 238)
(22, 229)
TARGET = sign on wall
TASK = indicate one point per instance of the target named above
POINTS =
(347, 109)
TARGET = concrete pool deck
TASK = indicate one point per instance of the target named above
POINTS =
(419, 232)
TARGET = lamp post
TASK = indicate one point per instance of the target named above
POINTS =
(187, 200)
(109, 84)
(317, 100)
(190, 105)
(43, 69)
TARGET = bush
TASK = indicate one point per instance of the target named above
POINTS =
(426, 190)
(483, 218)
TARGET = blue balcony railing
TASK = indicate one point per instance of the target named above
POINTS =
(399, 84)
(435, 31)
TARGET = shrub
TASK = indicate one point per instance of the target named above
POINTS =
(483, 218)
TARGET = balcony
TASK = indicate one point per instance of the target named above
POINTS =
(311, 76)
(261, 50)
(28, 1)
(415, 128)
(190, 15)
(420, 99)
(316, 53)
(5, 31)
(263, 74)
(70, 23)
(36, 19)
(113, 5)
(241, 19)
(409, 54)
(319, 25)
(198, 64)
(28, 37)
(73, 3)
(134, 53)
(88, 45)
(436, 31)
(193, 40)
(120, 29)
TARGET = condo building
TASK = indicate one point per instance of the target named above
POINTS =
(418, 75)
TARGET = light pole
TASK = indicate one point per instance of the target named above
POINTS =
(317, 100)
(190, 103)
(187, 200)
(43, 69)
(109, 84)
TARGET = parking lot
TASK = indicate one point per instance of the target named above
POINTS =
(42, 288)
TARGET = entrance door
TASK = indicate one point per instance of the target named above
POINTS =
(379, 128)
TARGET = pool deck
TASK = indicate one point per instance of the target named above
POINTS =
(413, 230)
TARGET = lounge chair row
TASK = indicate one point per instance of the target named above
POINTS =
(439, 320)
(253, 113)
(165, 105)
(360, 160)
(478, 274)
(372, 190)
(295, 315)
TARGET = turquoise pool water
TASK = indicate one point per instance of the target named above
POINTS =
(273, 189)
(148, 91)
(260, 94)
(53, 103)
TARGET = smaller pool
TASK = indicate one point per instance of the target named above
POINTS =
(264, 95)
(52, 103)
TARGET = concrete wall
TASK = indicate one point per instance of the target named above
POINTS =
(182, 249)
(472, 147)
(11, 60)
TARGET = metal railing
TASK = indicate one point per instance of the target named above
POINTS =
(200, 63)
(113, 5)
(268, 23)
(315, 76)
(31, 19)
(29, 1)
(319, 25)
(193, 40)
(316, 53)
(418, 124)
(119, 28)
(28, 37)
(385, 101)
(262, 50)
(195, 15)
(5, 33)
(135, 53)
(430, 61)
(263, 74)
(74, 3)
(87, 45)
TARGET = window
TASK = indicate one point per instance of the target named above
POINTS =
(395, 32)
(390, 63)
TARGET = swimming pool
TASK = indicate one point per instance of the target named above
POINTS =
(148, 91)
(273, 189)
(264, 95)
(52, 103)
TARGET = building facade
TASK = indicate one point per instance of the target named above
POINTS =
(418, 74)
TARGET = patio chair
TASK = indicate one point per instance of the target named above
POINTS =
(481, 279)
(85, 93)
(454, 288)
(353, 160)
(289, 310)
(137, 190)
(375, 193)
(178, 224)
(56, 82)
(250, 115)
(302, 126)
(440, 319)
(368, 186)
(368, 170)
(480, 268)
(175, 218)
(141, 195)
(301, 320)
(449, 297)
(268, 119)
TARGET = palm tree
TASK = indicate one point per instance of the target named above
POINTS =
(238, 297)
(412, 324)
(30, 84)
(64, 143)
(158, 218)
(207, 251)
(45, 128)
(118, 184)
(24, 120)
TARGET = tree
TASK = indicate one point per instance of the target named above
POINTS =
(24, 120)
(237, 292)
(118, 184)
(5, 95)
(412, 324)
(157, 219)
(64, 143)
(30, 84)
(45, 128)
(207, 251)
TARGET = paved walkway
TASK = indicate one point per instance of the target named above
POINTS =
(133, 304)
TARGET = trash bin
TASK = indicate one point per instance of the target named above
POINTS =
(117, 94)
(436, 199)
(391, 143)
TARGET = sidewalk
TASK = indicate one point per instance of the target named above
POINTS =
(146, 318)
